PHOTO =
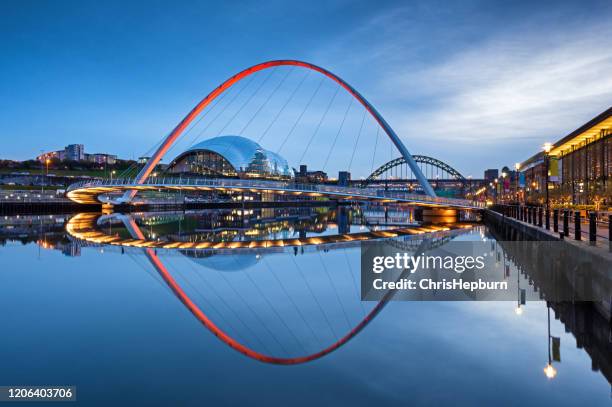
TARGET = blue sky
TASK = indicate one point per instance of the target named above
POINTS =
(478, 84)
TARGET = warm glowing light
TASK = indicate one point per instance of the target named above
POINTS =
(517, 166)
(518, 310)
(547, 147)
(550, 371)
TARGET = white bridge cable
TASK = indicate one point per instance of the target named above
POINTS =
(329, 325)
(246, 102)
(350, 271)
(250, 308)
(320, 123)
(299, 118)
(267, 100)
(236, 314)
(281, 319)
(231, 101)
(335, 290)
(338, 133)
(358, 137)
(290, 298)
(207, 303)
(289, 99)
(375, 147)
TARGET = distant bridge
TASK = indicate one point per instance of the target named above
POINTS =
(445, 170)
(87, 192)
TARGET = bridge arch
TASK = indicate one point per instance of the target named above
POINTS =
(180, 128)
(424, 159)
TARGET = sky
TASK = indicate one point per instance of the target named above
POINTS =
(477, 84)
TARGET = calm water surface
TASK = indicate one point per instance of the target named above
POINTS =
(103, 318)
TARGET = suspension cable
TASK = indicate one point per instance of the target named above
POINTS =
(284, 106)
(297, 121)
(357, 141)
(375, 146)
(242, 132)
(319, 124)
(338, 133)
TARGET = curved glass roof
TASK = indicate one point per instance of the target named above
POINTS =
(241, 152)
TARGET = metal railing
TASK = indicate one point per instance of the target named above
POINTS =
(275, 185)
(589, 226)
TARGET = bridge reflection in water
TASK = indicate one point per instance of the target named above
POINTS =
(292, 303)
(301, 312)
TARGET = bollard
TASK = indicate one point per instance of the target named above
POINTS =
(527, 215)
(565, 222)
(555, 220)
(577, 234)
(610, 228)
(592, 226)
(547, 218)
(540, 216)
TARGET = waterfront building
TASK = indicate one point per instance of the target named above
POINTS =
(579, 166)
(231, 156)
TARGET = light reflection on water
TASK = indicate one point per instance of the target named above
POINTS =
(100, 316)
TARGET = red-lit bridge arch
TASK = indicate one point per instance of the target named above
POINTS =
(182, 126)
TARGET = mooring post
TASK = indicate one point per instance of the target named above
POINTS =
(592, 226)
(540, 216)
(565, 222)
(577, 233)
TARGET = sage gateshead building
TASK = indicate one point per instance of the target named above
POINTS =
(231, 156)
(579, 166)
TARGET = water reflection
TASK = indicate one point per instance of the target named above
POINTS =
(293, 303)
(300, 331)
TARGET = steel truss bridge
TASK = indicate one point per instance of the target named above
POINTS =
(87, 192)
(402, 170)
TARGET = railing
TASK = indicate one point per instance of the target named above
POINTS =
(592, 226)
(275, 185)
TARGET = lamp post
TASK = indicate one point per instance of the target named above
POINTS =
(549, 370)
(517, 167)
(547, 147)
(503, 184)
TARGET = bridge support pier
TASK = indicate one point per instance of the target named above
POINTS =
(439, 215)
(107, 208)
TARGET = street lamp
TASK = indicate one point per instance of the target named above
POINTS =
(111, 174)
(549, 369)
(517, 167)
(547, 147)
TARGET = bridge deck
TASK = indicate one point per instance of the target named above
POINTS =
(91, 191)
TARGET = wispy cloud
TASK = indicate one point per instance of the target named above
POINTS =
(495, 96)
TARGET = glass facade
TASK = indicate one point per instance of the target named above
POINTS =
(584, 163)
(586, 169)
(231, 156)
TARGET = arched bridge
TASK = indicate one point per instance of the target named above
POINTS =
(444, 169)
(181, 128)
(88, 192)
